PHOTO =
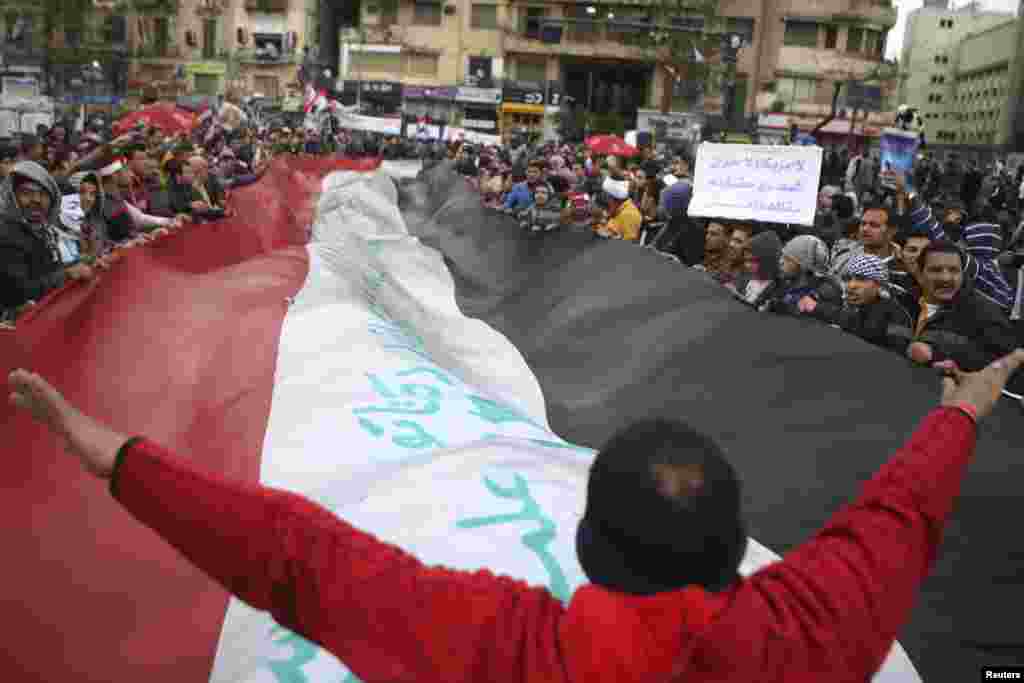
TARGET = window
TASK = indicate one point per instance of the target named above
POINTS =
(801, 34)
(207, 85)
(378, 62)
(531, 22)
(209, 41)
(266, 85)
(743, 26)
(388, 12)
(854, 39)
(535, 70)
(427, 14)
(831, 37)
(421, 65)
(791, 90)
(484, 17)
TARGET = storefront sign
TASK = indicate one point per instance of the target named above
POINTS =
(372, 124)
(523, 92)
(426, 92)
(490, 96)
(382, 89)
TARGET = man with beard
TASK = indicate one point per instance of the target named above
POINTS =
(123, 219)
(878, 227)
(716, 248)
(953, 322)
(30, 261)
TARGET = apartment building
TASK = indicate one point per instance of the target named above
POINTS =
(209, 46)
(933, 46)
(511, 63)
(979, 113)
(811, 46)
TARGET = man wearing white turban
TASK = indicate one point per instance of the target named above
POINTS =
(624, 218)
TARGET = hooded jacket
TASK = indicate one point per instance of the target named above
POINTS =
(30, 263)
(766, 247)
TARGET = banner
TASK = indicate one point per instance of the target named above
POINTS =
(412, 130)
(471, 136)
(372, 124)
(756, 182)
(898, 149)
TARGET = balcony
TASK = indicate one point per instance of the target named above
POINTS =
(579, 39)
(268, 56)
(269, 6)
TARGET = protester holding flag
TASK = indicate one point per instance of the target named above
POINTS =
(661, 607)
(30, 259)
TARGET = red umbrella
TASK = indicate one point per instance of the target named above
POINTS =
(610, 144)
(168, 117)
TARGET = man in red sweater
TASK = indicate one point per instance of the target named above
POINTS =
(829, 611)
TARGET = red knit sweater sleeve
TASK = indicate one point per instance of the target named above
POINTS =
(377, 608)
(838, 601)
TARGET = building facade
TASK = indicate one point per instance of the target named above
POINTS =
(513, 63)
(935, 44)
(979, 111)
(207, 47)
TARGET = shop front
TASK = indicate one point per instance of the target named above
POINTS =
(523, 108)
(380, 98)
(436, 103)
(479, 108)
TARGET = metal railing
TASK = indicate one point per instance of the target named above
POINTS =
(266, 56)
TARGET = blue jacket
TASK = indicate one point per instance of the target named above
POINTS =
(519, 197)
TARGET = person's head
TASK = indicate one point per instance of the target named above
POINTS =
(136, 157)
(88, 191)
(541, 195)
(876, 227)
(911, 251)
(716, 238)
(680, 167)
(616, 189)
(825, 197)
(663, 512)
(940, 268)
(533, 173)
(578, 170)
(33, 149)
(804, 254)
(865, 276)
(200, 168)
(614, 164)
(8, 157)
(739, 243)
(34, 192)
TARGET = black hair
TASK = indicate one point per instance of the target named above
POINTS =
(661, 491)
(893, 218)
(940, 247)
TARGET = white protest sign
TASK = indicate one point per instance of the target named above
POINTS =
(756, 182)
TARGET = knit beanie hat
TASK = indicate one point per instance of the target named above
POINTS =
(809, 251)
(662, 512)
(984, 240)
(867, 267)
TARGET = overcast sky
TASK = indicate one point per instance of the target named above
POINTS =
(895, 42)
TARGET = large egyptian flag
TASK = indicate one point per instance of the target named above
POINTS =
(440, 379)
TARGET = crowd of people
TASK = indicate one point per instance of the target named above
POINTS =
(70, 201)
(931, 270)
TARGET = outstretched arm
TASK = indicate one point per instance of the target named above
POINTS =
(377, 608)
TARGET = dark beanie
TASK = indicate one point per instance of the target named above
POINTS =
(662, 512)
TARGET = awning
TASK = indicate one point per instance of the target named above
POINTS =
(522, 109)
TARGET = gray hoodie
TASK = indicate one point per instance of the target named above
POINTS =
(32, 262)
